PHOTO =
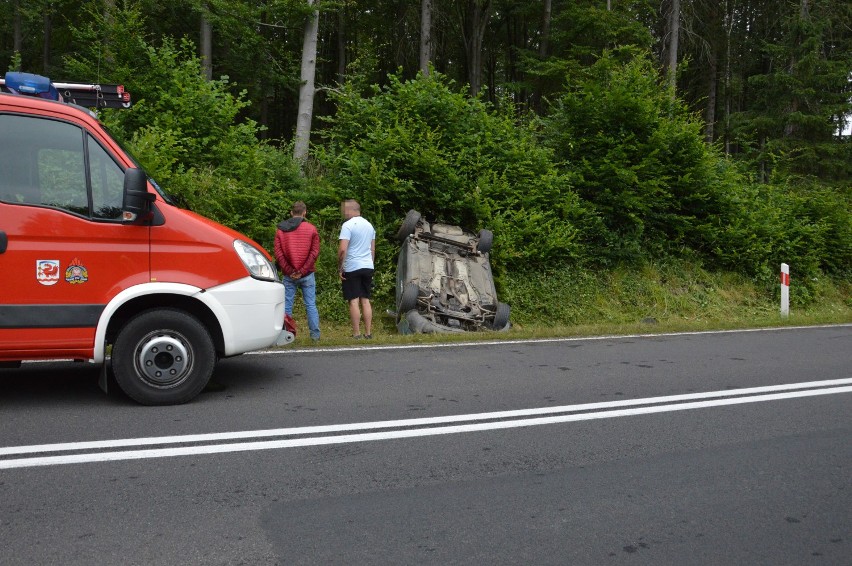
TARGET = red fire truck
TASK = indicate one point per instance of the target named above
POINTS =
(98, 264)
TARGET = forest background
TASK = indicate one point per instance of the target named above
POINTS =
(647, 160)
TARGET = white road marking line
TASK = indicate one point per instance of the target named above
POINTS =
(425, 421)
(288, 350)
(407, 433)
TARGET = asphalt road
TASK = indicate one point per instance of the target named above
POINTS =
(709, 448)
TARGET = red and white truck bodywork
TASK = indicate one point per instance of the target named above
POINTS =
(93, 256)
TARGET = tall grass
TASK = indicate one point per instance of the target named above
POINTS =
(657, 297)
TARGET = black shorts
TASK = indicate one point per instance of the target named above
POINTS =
(358, 284)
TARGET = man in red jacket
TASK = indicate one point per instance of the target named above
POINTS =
(297, 247)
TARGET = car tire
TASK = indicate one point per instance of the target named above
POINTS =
(408, 225)
(408, 301)
(163, 357)
(418, 323)
(486, 238)
(501, 317)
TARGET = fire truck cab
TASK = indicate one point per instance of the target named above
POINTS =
(98, 264)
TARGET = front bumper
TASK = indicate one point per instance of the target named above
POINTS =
(252, 314)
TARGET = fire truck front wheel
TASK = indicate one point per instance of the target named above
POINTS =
(163, 357)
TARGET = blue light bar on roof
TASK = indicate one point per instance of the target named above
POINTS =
(33, 85)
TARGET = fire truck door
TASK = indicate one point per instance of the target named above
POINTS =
(67, 253)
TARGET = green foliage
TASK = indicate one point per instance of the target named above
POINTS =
(584, 30)
(187, 132)
(636, 156)
(193, 139)
(799, 96)
(417, 144)
(765, 225)
(15, 64)
(202, 115)
(671, 293)
(663, 292)
(109, 47)
(623, 176)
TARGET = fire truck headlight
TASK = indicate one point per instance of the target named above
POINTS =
(256, 263)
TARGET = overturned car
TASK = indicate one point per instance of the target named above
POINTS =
(444, 281)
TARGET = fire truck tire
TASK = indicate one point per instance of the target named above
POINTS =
(163, 357)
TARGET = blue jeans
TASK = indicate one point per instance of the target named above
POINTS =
(308, 285)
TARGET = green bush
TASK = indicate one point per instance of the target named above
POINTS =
(622, 177)
(188, 133)
(808, 228)
(419, 145)
(637, 158)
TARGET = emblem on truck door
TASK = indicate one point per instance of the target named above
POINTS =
(47, 271)
(76, 272)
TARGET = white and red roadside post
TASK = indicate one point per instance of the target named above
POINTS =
(785, 290)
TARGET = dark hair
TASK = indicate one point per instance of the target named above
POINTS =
(299, 208)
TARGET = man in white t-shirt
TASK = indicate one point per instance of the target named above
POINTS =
(355, 263)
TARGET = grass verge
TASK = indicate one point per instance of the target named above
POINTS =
(656, 298)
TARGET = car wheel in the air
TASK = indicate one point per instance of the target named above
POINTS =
(486, 238)
(408, 225)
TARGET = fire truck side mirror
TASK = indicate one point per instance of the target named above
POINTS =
(137, 199)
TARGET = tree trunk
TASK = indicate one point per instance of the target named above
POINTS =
(511, 50)
(793, 105)
(729, 28)
(674, 36)
(17, 32)
(45, 54)
(477, 14)
(542, 53)
(341, 45)
(716, 26)
(425, 36)
(109, 21)
(306, 90)
(206, 45)
(710, 112)
(545, 30)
